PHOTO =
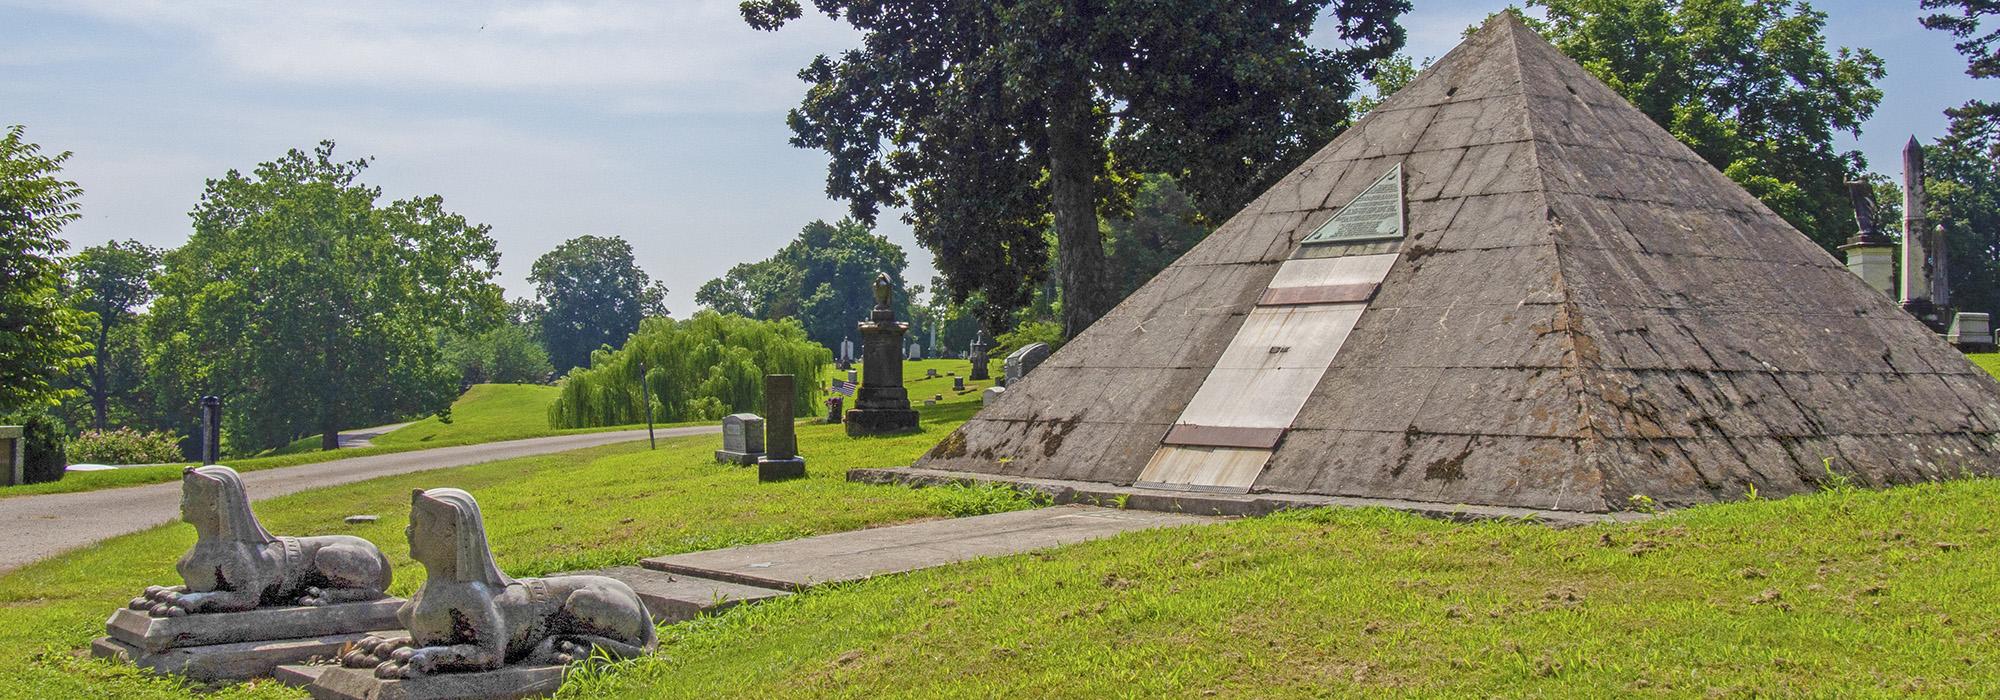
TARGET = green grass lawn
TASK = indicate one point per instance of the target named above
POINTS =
(578, 510)
(1987, 361)
(1843, 594)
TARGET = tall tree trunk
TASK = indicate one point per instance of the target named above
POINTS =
(1075, 157)
(100, 380)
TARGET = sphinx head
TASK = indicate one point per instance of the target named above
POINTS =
(448, 536)
(214, 502)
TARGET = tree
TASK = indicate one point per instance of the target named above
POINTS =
(989, 119)
(825, 278)
(507, 354)
(593, 295)
(702, 368)
(309, 306)
(1164, 224)
(1976, 120)
(1749, 85)
(40, 336)
(109, 283)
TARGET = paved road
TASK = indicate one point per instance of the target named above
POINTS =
(38, 527)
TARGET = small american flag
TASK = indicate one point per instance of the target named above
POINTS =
(843, 387)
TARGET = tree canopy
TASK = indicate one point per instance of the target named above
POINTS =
(1976, 120)
(109, 283)
(1749, 85)
(991, 120)
(40, 336)
(592, 295)
(825, 278)
(703, 368)
(310, 306)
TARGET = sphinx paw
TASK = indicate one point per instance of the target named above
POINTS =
(391, 670)
(567, 651)
(315, 596)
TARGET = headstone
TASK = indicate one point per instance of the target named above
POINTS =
(1870, 255)
(930, 402)
(833, 408)
(991, 394)
(742, 439)
(361, 519)
(916, 351)
(287, 599)
(542, 624)
(978, 356)
(930, 373)
(853, 377)
(1023, 361)
(937, 397)
(781, 458)
(14, 454)
(846, 350)
(211, 429)
(1971, 332)
(881, 404)
(958, 384)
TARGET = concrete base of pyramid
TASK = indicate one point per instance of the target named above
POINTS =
(1063, 491)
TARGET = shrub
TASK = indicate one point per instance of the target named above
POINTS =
(702, 368)
(125, 446)
(44, 437)
(504, 355)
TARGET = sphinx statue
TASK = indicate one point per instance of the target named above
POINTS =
(468, 616)
(236, 565)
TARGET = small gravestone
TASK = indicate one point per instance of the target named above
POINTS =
(846, 350)
(361, 519)
(833, 408)
(991, 394)
(781, 458)
(13, 455)
(978, 356)
(958, 384)
(742, 439)
(930, 402)
(211, 429)
(1023, 361)
(930, 373)
(853, 376)
(916, 352)
(1971, 332)
(937, 397)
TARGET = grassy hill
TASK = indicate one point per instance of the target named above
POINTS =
(1844, 593)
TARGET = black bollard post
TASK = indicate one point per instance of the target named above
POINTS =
(211, 429)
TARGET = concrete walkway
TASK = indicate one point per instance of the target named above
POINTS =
(39, 527)
(862, 554)
(363, 437)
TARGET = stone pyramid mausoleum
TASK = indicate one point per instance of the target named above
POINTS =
(1504, 286)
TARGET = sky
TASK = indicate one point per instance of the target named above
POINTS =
(659, 122)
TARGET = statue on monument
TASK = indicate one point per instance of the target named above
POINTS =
(237, 565)
(468, 616)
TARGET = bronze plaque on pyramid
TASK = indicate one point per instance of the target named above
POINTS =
(1374, 215)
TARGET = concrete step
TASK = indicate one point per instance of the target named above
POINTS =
(861, 554)
(672, 597)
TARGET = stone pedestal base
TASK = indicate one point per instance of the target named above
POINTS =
(781, 469)
(240, 661)
(866, 421)
(745, 458)
(506, 683)
(240, 645)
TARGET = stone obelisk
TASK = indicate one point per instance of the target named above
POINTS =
(881, 404)
(1916, 232)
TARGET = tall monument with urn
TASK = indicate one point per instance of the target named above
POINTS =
(881, 404)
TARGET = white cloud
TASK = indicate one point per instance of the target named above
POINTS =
(616, 52)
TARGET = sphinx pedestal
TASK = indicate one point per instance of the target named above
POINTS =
(505, 683)
(212, 647)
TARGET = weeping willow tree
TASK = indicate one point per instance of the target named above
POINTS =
(702, 368)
